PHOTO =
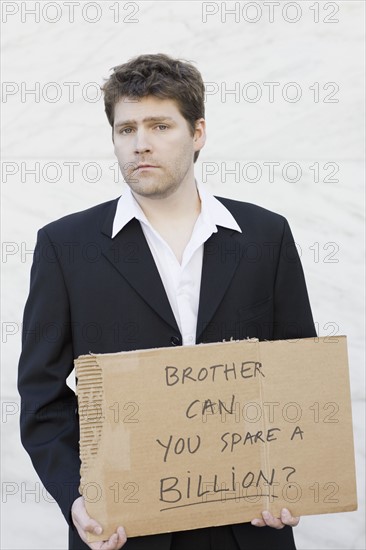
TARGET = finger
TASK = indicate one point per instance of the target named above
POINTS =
(88, 526)
(105, 544)
(122, 538)
(271, 521)
(288, 519)
(112, 543)
(258, 522)
(93, 526)
(85, 522)
(115, 542)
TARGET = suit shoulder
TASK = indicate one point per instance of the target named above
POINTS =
(249, 213)
(83, 220)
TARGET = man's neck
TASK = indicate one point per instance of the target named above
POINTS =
(182, 205)
(174, 217)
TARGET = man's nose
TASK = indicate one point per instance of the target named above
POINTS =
(142, 142)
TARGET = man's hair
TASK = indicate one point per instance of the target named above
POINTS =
(161, 76)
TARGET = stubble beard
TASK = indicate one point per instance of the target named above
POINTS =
(157, 186)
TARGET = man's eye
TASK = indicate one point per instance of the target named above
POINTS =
(162, 126)
(125, 130)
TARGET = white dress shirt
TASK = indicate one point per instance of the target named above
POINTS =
(181, 281)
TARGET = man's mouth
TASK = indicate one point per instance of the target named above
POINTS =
(145, 166)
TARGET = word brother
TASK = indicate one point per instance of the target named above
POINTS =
(214, 373)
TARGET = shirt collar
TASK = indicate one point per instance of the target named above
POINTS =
(212, 211)
(127, 209)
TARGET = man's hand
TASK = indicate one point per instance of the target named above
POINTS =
(85, 524)
(277, 523)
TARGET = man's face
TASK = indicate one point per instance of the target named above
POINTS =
(154, 146)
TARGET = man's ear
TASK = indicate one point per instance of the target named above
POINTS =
(199, 137)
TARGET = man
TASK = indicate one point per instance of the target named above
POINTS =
(165, 264)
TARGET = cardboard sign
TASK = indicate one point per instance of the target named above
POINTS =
(213, 434)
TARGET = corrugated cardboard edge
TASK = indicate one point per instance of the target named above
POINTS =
(90, 400)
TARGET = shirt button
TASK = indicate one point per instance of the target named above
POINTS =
(175, 341)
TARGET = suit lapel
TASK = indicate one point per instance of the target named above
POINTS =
(222, 253)
(131, 256)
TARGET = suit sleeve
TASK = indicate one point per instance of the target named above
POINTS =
(292, 312)
(48, 420)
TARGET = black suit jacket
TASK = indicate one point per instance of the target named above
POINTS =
(90, 292)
